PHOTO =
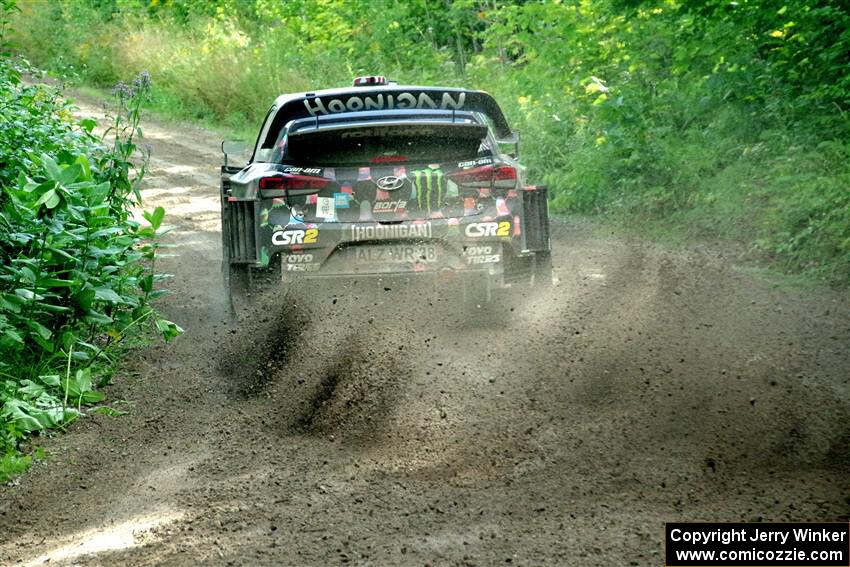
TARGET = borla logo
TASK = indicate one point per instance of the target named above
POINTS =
(481, 229)
(389, 207)
(289, 237)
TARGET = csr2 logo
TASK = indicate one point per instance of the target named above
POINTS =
(482, 229)
(288, 237)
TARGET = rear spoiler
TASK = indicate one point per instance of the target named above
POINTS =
(386, 98)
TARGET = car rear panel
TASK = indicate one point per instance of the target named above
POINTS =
(332, 248)
(385, 198)
(391, 193)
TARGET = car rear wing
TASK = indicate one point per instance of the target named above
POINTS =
(338, 101)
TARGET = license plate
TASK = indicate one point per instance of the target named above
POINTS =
(397, 254)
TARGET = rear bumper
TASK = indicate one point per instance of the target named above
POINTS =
(438, 276)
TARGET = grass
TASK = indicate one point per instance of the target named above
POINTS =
(165, 107)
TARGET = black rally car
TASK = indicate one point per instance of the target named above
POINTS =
(384, 181)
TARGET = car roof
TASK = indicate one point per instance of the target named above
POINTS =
(293, 106)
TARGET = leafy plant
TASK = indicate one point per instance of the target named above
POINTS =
(77, 272)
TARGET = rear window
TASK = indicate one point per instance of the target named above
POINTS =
(360, 144)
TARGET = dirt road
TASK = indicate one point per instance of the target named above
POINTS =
(649, 386)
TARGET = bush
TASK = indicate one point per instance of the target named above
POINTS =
(77, 273)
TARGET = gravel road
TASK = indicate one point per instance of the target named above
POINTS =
(650, 385)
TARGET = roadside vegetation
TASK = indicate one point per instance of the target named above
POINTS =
(709, 119)
(77, 272)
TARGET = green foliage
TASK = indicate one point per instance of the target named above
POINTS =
(77, 272)
(719, 119)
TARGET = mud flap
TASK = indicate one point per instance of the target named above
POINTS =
(542, 269)
(237, 285)
(535, 206)
(536, 234)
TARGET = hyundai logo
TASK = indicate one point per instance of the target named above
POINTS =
(390, 183)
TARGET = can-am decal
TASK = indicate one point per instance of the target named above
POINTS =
(299, 170)
(289, 237)
(482, 229)
(475, 163)
(326, 105)
(393, 231)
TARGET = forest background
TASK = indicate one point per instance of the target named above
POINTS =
(698, 120)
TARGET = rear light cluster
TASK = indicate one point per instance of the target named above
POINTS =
(499, 176)
(279, 185)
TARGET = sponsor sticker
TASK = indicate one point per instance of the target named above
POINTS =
(476, 255)
(390, 232)
(478, 260)
(290, 237)
(341, 200)
(301, 267)
(429, 188)
(474, 163)
(485, 229)
(325, 208)
(298, 170)
(390, 182)
(389, 206)
(380, 101)
(296, 214)
(477, 250)
(298, 258)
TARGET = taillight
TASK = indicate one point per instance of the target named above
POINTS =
(279, 185)
(502, 176)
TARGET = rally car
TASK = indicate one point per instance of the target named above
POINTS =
(384, 181)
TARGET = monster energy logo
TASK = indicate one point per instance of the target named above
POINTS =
(428, 183)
